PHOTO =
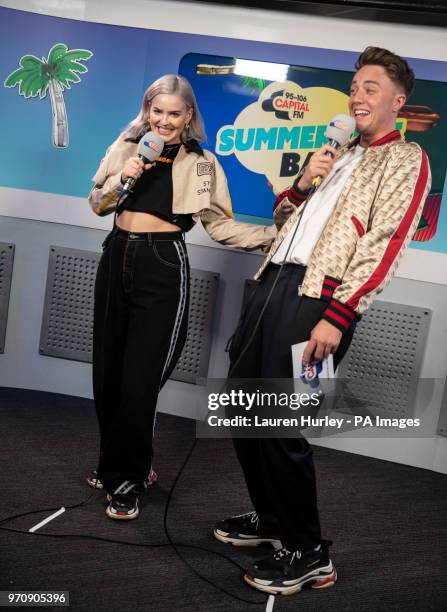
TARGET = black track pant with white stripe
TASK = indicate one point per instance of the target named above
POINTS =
(140, 326)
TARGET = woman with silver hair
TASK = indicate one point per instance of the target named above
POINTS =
(142, 284)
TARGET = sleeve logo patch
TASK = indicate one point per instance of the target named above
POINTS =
(204, 168)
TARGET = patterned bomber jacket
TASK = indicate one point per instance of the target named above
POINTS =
(372, 224)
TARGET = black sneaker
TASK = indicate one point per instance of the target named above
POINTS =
(245, 530)
(93, 480)
(286, 572)
(123, 502)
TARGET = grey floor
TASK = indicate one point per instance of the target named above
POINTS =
(388, 522)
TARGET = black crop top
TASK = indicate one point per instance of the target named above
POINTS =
(153, 191)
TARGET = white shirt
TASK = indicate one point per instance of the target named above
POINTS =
(317, 212)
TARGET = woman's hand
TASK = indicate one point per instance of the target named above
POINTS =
(134, 168)
(319, 164)
(282, 213)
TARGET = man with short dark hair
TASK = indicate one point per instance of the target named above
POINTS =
(349, 238)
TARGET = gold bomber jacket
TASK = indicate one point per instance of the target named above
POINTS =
(199, 187)
(372, 224)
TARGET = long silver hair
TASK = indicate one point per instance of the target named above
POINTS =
(168, 84)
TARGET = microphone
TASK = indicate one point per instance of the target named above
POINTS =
(338, 132)
(149, 148)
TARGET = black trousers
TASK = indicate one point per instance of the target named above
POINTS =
(280, 473)
(140, 326)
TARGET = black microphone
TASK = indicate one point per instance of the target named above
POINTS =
(338, 132)
(149, 148)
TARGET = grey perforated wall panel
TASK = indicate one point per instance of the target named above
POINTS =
(67, 325)
(442, 423)
(383, 364)
(67, 330)
(193, 363)
(6, 265)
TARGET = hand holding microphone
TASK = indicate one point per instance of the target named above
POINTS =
(338, 132)
(149, 148)
(133, 169)
(318, 167)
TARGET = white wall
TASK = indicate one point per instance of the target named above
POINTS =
(249, 24)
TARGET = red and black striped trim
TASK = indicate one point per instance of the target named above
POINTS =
(279, 199)
(340, 315)
(297, 195)
(358, 226)
(330, 284)
(398, 238)
(394, 135)
(293, 194)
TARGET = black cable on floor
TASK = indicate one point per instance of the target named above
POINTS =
(80, 536)
(174, 545)
(16, 516)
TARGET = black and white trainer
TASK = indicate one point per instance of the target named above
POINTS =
(93, 480)
(123, 502)
(286, 572)
(246, 530)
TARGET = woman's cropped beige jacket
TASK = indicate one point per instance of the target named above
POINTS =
(199, 187)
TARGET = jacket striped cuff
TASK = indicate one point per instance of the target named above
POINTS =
(330, 284)
(340, 315)
(297, 195)
(279, 199)
(294, 194)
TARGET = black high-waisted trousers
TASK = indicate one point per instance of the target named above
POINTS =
(140, 326)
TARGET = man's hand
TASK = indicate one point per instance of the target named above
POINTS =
(324, 340)
(319, 164)
(282, 213)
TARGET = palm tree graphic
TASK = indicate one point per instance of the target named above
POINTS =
(36, 77)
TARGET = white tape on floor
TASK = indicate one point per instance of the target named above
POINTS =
(47, 520)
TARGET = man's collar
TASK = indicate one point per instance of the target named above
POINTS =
(390, 137)
(394, 135)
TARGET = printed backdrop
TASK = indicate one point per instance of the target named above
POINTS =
(262, 125)
(265, 128)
